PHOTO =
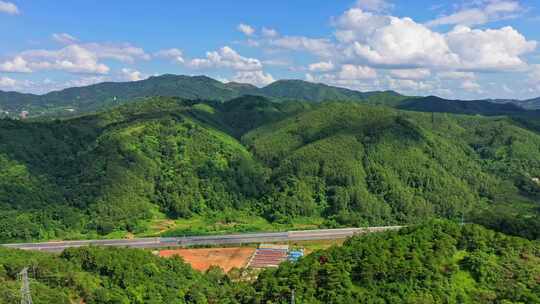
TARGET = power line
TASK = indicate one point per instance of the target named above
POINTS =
(26, 296)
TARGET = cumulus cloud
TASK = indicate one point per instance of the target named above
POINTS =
(257, 78)
(319, 46)
(356, 24)
(269, 33)
(176, 55)
(534, 77)
(489, 11)
(323, 66)
(246, 29)
(7, 83)
(400, 42)
(348, 75)
(470, 85)
(226, 57)
(373, 5)
(408, 85)
(490, 49)
(16, 65)
(351, 72)
(131, 75)
(64, 38)
(72, 58)
(413, 74)
(123, 52)
(277, 62)
(392, 42)
(9, 8)
(453, 75)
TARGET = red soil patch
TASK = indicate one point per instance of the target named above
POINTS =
(202, 259)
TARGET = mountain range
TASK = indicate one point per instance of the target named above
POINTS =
(301, 156)
(80, 100)
(335, 163)
(98, 96)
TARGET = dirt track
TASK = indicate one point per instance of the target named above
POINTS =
(202, 259)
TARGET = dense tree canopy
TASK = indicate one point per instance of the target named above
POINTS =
(343, 162)
(436, 262)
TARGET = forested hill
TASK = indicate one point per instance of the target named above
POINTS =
(472, 107)
(103, 95)
(330, 164)
(436, 262)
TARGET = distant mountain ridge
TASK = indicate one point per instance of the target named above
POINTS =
(532, 104)
(92, 98)
(101, 95)
(482, 107)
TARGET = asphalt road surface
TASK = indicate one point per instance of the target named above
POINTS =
(158, 242)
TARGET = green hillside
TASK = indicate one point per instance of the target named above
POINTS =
(436, 262)
(100, 96)
(481, 107)
(278, 164)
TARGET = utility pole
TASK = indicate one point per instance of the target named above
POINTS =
(26, 296)
(292, 297)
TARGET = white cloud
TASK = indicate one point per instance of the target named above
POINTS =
(489, 11)
(373, 5)
(490, 49)
(253, 43)
(257, 78)
(246, 29)
(470, 85)
(131, 75)
(414, 74)
(453, 75)
(277, 62)
(401, 43)
(534, 77)
(226, 57)
(323, 66)
(16, 65)
(64, 38)
(320, 47)
(351, 72)
(507, 89)
(350, 76)
(124, 52)
(176, 55)
(72, 58)
(356, 24)
(7, 83)
(391, 42)
(9, 8)
(269, 33)
(408, 85)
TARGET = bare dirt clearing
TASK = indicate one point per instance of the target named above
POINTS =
(201, 259)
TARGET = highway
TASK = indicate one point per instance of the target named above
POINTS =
(244, 238)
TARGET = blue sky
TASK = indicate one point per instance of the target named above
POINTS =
(455, 49)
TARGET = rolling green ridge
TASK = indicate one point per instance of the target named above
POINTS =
(89, 99)
(472, 107)
(333, 163)
(80, 100)
(436, 262)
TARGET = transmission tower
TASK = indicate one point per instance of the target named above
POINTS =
(26, 297)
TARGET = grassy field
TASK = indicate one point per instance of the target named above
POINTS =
(223, 224)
